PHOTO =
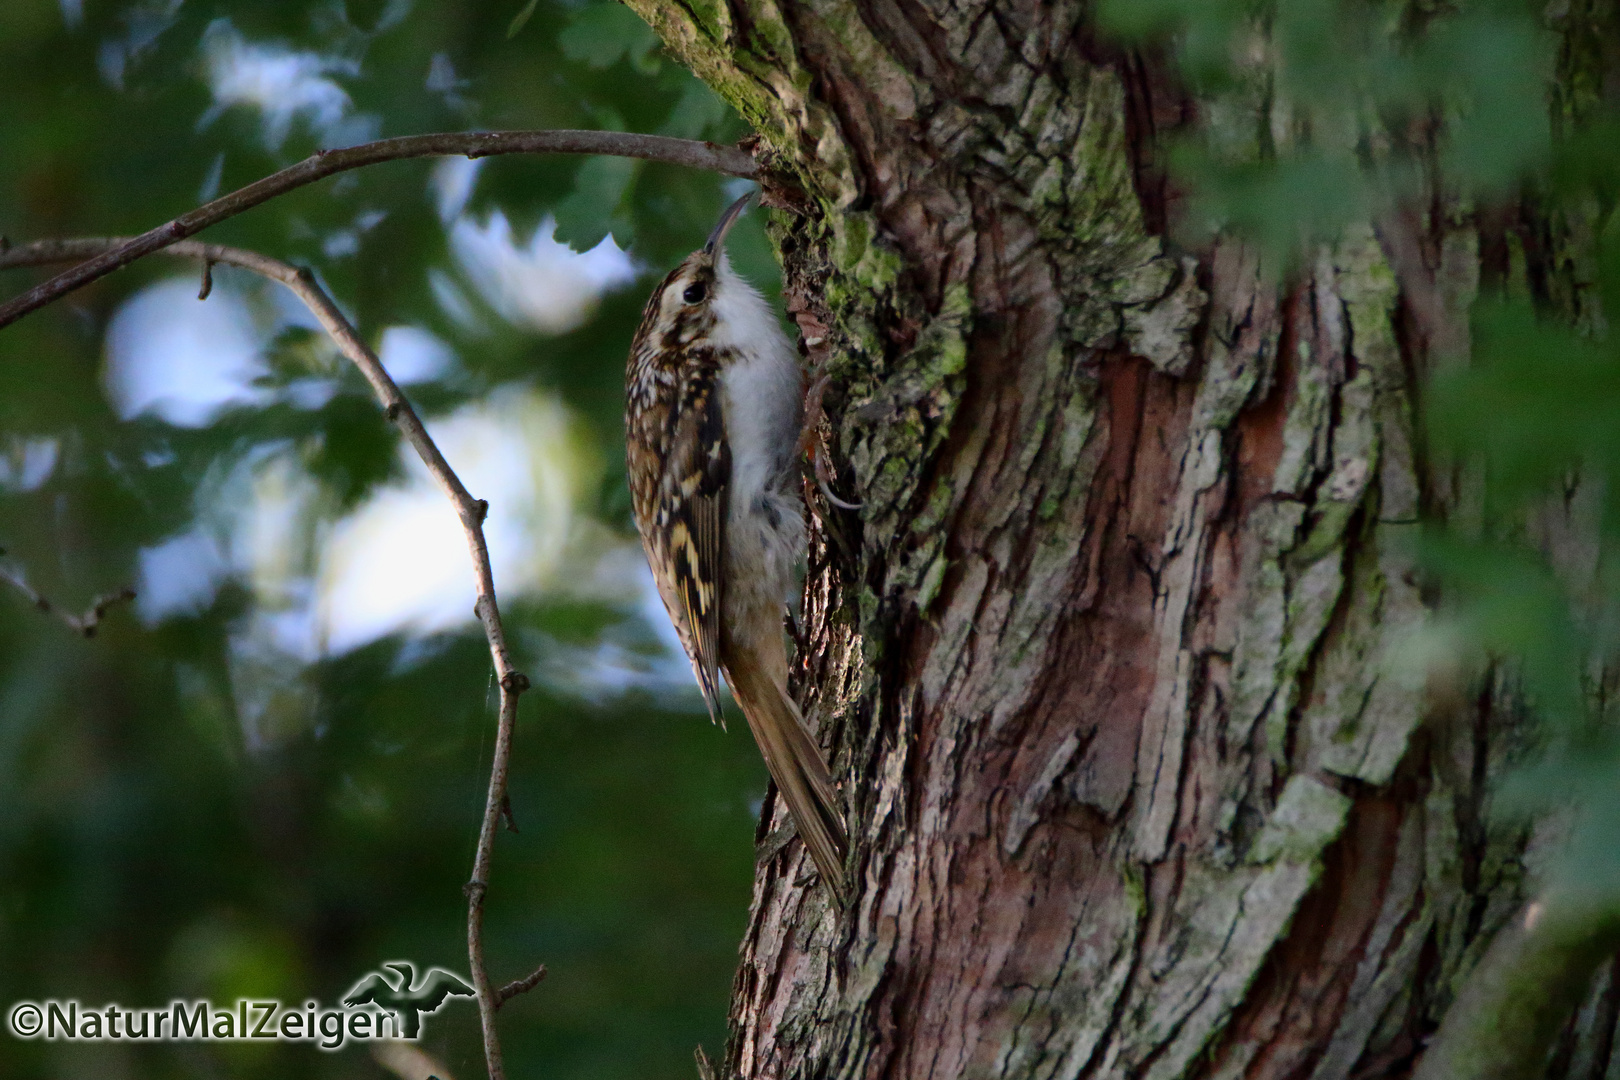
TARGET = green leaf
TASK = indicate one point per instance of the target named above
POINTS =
(697, 112)
(600, 35)
(594, 208)
(521, 19)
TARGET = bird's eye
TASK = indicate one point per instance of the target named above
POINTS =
(694, 293)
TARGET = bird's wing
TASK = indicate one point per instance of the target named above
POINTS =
(366, 990)
(452, 984)
(686, 538)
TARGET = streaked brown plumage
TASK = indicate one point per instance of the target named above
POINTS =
(712, 413)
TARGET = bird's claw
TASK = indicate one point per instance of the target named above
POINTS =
(826, 487)
(811, 442)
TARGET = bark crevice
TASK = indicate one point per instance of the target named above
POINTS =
(1110, 659)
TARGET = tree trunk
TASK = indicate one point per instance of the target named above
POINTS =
(1104, 660)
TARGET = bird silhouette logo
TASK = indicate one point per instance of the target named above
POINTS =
(407, 1004)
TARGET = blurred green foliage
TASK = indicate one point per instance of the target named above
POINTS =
(187, 807)
(1318, 113)
(1496, 115)
(1535, 422)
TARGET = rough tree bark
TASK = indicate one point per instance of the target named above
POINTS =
(1102, 660)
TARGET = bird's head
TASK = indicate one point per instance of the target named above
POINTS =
(700, 299)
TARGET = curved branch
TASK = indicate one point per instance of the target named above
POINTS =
(84, 625)
(471, 511)
(688, 152)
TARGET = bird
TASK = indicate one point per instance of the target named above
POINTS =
(714, 396)
(403, 1002)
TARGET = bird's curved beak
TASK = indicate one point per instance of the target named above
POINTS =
(727, 220)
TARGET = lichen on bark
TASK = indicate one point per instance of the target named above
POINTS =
(1107, 659)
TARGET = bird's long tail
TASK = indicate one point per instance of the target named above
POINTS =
(794, 760)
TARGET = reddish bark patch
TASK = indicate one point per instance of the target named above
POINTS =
(1260, 426)
(1296, 1002)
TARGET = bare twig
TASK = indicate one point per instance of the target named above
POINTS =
(85, 624)
(688, 152)
(519, 986)
(470, 510)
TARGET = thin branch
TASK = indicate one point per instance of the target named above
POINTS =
(470, 510)
(519, 986)
(84, 625)
(689, 152)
